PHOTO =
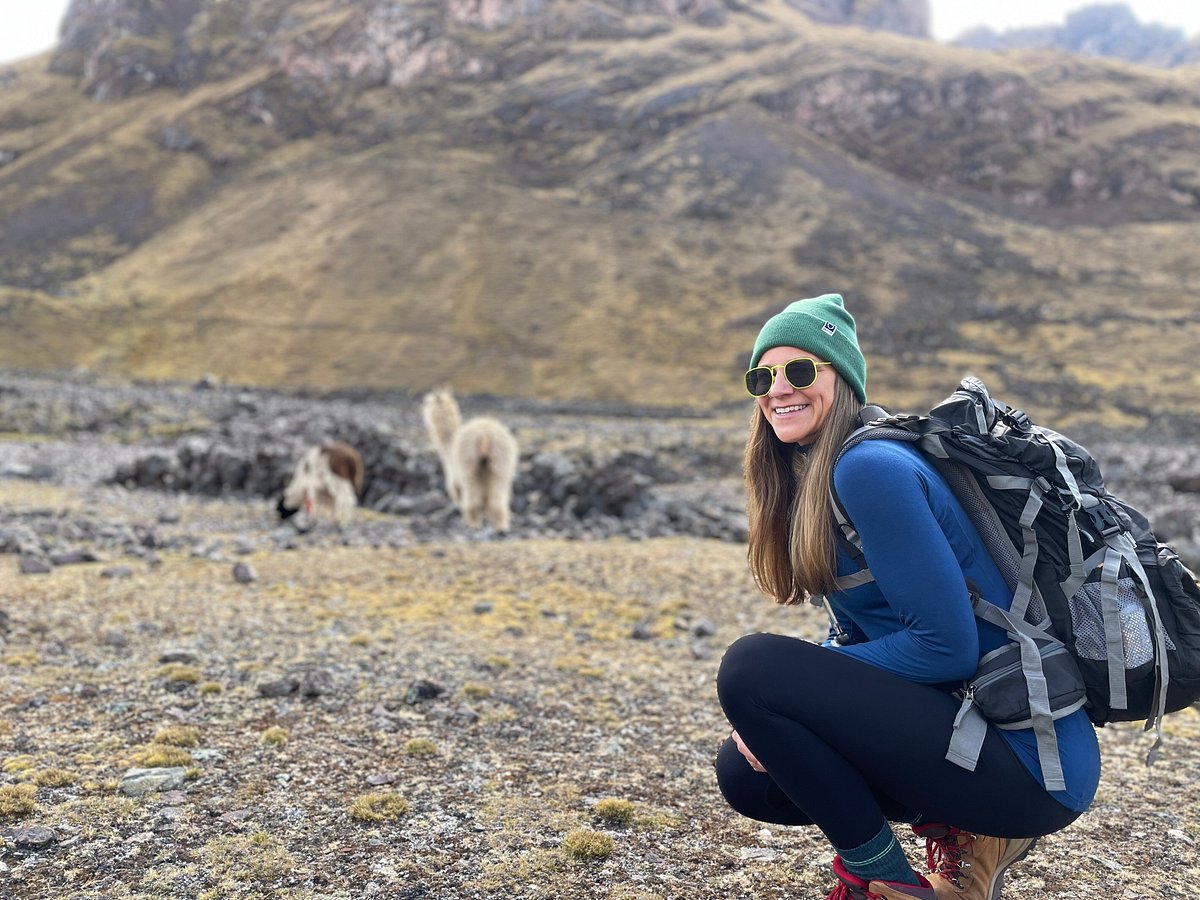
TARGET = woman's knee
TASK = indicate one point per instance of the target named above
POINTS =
(739, 667)
(750, 666)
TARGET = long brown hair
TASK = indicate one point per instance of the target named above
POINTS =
(792, 542)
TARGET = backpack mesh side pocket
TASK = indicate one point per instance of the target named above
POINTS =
(1087, 617)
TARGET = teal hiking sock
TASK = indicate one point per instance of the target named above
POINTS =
(880, 858)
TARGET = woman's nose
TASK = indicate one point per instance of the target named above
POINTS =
(779, 383)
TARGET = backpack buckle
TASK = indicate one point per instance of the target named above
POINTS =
(1017, 419)
(1103, 520)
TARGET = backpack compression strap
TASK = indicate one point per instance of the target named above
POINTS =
(1122, 547)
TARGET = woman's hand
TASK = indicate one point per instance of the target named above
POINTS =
(745, 751)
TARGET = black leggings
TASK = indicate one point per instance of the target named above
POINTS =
(849, 746)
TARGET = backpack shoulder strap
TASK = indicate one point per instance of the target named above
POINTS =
(870, 412)
(875, 423)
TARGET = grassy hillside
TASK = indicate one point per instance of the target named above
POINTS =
(540, 209)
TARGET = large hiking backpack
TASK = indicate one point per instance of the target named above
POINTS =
(1086, 572)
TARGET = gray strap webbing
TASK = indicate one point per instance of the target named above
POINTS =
(1110, 612)
(966, 740)
(1065, 471)
(981, 425)
(853, 580)
(1039, 693)
(1024, 593)
(1162, 668)
(1075, 550)
(1029, 552)
(1010, 482)
(844, 524)
(1074, 546)
(1003, 619)
(1060, 463)
(1043, 719)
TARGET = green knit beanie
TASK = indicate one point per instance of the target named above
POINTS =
(820, 325)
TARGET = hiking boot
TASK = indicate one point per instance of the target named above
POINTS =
(851, 887)
(966, 866)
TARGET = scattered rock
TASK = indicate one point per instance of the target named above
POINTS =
(464, 715)
(758, 854)
(177, 655)
(34, 565)
(316, 682)
(73, 557)
(243, 573)
(34, 838)
(139, 782)
(278, 687)
(421, 691)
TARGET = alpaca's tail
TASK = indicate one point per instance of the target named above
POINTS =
(484, 453)
(442, 419)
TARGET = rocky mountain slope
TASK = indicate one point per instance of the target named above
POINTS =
(577, 200)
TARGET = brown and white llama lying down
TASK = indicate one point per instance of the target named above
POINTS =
(479, 460)
(327, 478)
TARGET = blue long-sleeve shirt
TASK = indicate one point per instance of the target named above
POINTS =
(915, 619)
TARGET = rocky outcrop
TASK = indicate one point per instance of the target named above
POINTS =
(118, 48)
(637, 479)
(670, 484)
(908, 17)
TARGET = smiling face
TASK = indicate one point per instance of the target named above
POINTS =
(797, 417)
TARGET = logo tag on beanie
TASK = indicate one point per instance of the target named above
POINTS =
(829, 328)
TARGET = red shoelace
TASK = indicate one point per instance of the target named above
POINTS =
(945, 855)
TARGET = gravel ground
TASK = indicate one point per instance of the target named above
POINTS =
(358, 713)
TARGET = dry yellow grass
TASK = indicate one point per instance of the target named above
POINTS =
(614, 747)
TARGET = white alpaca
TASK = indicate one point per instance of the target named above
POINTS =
(479, 460)
(327, 477)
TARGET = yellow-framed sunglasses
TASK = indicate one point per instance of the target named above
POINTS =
(800, 373)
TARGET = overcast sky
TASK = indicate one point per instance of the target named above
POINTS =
(28, 27)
